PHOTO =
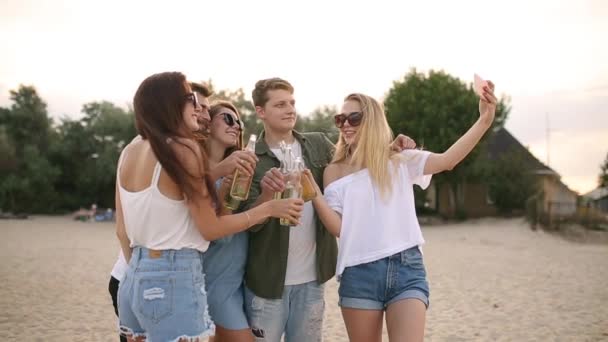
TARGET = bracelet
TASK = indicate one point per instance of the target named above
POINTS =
(248, 219)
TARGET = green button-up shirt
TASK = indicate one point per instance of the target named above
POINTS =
(269, 241)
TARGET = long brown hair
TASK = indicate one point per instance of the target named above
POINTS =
(216, 108)
(159, 103)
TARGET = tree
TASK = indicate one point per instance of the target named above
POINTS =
(435, 110)
(26, 175)
(88, 152)
(107, 120)
(8, 162)
(510, 181)
(603, 178)
(27, 121)
(31, 189)
(320, 120)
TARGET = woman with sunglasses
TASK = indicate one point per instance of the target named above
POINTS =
(166, 215)
(224, 261)
(369, 204)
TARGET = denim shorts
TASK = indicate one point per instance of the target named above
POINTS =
(377, 284)
(163, 297)
(224, 264)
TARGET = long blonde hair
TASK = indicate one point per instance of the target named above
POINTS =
(372, 149)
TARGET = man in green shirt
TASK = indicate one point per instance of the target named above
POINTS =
(287, 266)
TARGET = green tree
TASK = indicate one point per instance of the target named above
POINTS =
(72, 150)
(510, 181)
(88, 151)
(27, 121)
(8, 162)
(320, 120)
(603, 178)
(26, 175)
(105, 119)
(435, 109)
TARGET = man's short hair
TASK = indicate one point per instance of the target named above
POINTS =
(260, 92)
(201, 88)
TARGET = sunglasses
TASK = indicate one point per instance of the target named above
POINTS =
(192, 97)
(354, 119)
(231, 120)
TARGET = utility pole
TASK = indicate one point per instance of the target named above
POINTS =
(548, 135)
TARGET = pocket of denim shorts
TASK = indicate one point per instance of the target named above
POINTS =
(155, 296)
(412, 258)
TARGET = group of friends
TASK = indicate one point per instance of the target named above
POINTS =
(190, 268)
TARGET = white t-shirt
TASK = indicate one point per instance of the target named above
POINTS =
(301, 255)
(120, 267)
(372, 227)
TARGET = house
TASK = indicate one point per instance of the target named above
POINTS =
(597, 199)
(558, 198)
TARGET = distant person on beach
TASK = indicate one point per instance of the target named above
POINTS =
(85, 214)
(167, 214)
(369, 204)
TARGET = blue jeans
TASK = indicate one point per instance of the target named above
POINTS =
(163, 297)
(298, 314)
(376, 285)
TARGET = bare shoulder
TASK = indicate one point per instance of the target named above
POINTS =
(332, 173)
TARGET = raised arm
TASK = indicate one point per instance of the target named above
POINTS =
(439, 162)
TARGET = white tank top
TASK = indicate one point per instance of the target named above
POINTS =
(154, 221)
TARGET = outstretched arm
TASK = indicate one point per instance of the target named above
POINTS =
(438, 162)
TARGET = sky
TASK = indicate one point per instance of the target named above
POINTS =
(549, 57)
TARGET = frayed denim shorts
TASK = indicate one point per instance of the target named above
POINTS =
(376, 285)
(163, 297)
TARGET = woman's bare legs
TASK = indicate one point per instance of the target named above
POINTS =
(363, 325)
(405, 320)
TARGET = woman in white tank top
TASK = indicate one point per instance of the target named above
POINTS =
(166, 216)
(369, 204)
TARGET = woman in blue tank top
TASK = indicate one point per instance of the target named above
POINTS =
(224, 261)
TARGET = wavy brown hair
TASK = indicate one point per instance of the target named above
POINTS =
(217, 108)
(159, 103)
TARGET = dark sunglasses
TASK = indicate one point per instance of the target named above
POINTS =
(231, 120)
(354, 119)
(192, 97)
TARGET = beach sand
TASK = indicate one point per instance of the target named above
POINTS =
(491, 280)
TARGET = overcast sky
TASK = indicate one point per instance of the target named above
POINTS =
(550, 57)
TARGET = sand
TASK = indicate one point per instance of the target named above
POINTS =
(491, 280)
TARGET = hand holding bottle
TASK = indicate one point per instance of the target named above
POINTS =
(289, 209)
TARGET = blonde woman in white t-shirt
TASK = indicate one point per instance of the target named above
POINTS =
(369, 204)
